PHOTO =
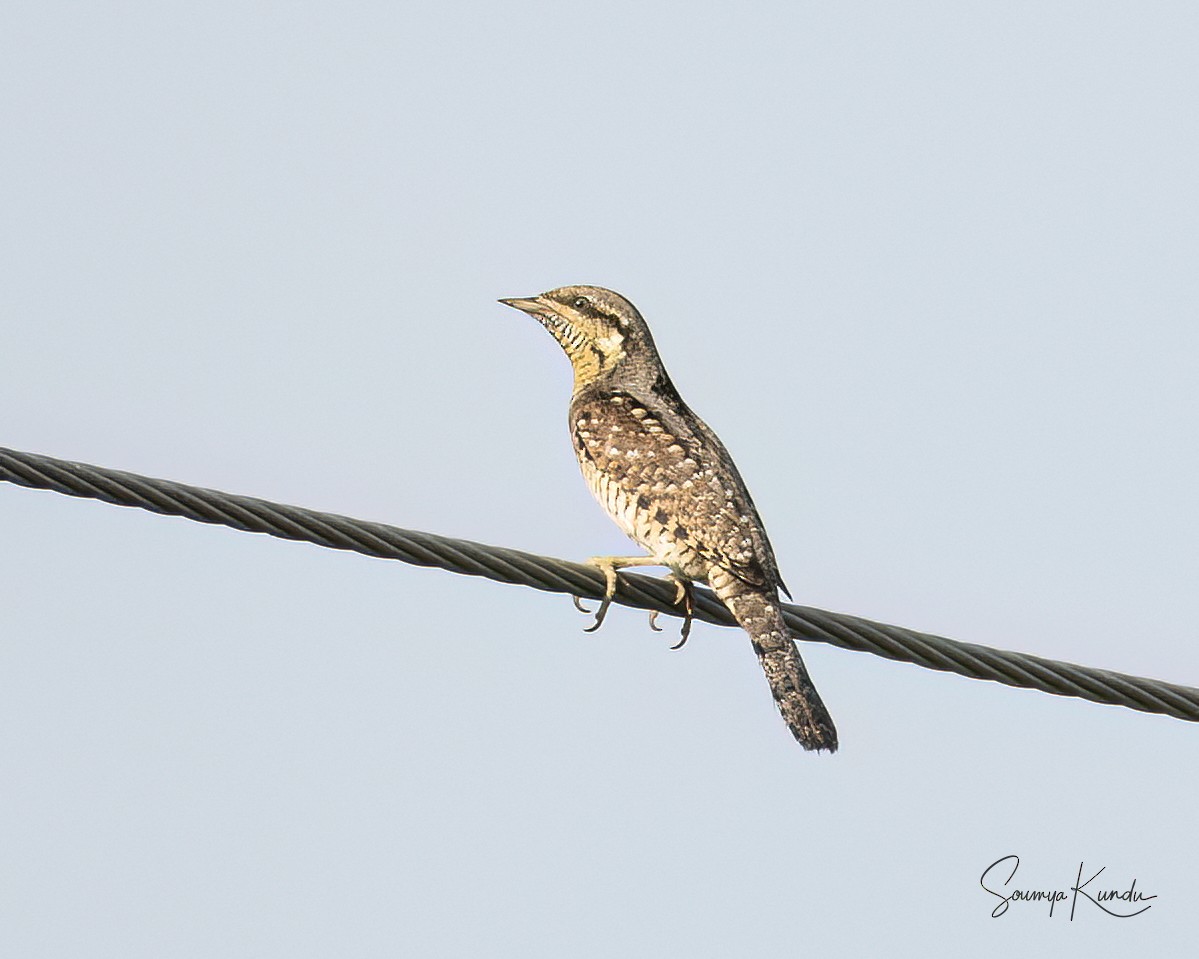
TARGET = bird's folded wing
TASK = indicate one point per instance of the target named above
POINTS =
(680, 476)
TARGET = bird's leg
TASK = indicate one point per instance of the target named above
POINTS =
(608, 565)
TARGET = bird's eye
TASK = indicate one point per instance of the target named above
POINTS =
(580, 302)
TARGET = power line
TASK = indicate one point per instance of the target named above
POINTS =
(561, 576)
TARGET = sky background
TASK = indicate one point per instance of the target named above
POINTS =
(928, 269)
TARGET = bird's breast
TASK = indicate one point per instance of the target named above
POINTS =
(634, 512)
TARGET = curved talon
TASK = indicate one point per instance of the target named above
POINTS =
(653, 621)
(684, 593)
(686, 632)
(609, 591)
(599, 617)
(579, 605)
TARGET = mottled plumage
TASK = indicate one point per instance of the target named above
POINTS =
(669, 483)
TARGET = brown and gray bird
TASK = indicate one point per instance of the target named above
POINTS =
(668, 482)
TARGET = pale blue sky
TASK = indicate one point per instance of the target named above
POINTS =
(929, 270)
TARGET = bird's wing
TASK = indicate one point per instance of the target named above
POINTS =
(670, 465)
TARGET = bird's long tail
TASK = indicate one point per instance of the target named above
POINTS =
(760, 615)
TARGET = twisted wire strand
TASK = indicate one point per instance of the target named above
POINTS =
(561, 576)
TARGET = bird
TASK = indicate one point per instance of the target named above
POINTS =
(668, 482)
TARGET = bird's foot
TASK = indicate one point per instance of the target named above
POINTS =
(608, 565)
(685, 594)
(609, 571)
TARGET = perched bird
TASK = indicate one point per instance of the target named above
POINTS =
(668, 482)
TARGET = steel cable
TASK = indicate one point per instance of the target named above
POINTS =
(560, 576)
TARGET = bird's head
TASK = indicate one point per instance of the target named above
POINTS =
(601, 332)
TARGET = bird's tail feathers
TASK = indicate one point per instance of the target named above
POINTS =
(804, 712)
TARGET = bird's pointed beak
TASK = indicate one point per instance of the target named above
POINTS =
(532, 305)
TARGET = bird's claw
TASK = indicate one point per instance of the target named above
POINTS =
(599, 617)
(608, 566)
(609, 571)
(683, 593)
